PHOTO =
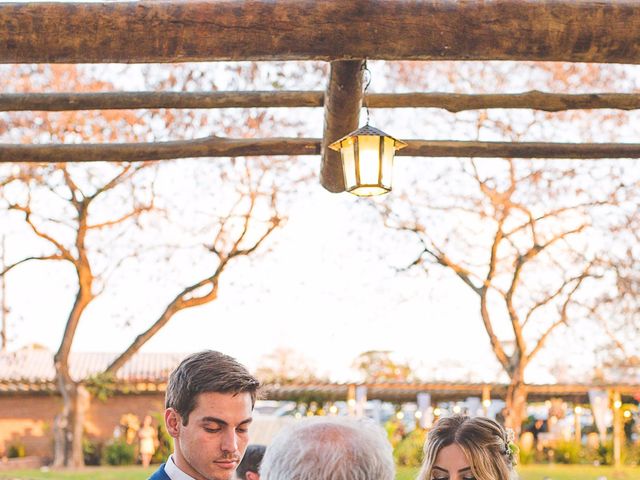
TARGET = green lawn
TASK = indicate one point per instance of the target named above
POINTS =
(88, 473)
(556, 472)
(530, 472)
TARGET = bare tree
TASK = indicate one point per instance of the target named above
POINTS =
(379, 366)
(285, 365)
(96, 205)
(240, 232)
(618, 308)
(529, 239)
(61, 206)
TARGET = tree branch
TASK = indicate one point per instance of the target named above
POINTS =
(27, 259)
(563, 311)
(27, 213)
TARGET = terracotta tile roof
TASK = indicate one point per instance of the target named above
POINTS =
(36, 366)
(31, 370)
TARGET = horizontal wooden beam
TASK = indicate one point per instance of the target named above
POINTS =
(233, 147)
(428, 148)
(136, 152)
(534, 100)
(453, 102)
(210, 30)
(56, 102)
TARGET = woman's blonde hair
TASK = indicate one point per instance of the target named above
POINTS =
(484, 442)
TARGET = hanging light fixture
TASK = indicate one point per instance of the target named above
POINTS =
(367, 156)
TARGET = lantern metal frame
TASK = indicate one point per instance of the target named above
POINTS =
(352, 141)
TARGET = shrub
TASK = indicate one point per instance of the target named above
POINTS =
(526, 457)
(603, 455)
(119, 453)
(395, 431)
(92, 452)
(569, 452)
(632, 456)
(408, 453)
(17, 450)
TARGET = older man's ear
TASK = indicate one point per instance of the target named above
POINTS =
(252, 476)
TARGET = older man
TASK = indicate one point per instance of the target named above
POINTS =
(329, 448)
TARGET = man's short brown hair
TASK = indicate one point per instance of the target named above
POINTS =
(203, 372)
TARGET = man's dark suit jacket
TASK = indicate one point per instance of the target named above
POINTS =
(160, 474)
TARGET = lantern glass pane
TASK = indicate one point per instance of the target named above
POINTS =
(387, 161)
(348, 165)
(369, 149)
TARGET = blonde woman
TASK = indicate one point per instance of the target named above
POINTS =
(148, 441)
(465, 448)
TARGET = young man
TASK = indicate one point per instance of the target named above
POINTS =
(209, 403)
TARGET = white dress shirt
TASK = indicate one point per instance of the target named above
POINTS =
(174, 473)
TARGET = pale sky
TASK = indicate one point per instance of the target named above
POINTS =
(327, 288)
(324, 289)
(319, 291)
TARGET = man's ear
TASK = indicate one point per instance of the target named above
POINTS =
(252, 476)
(173, 422)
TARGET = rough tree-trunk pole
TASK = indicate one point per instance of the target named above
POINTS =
(341, 116)
(56, 102)
(453, 102)
(247, 147)
(140, 152)
(211, 30)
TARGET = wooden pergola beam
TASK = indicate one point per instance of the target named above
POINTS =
(453, 102)
(232, 147)
(341, 116)
(67, 101)
(534, 100)
(137, 152)
(210, 30)
(429, 148)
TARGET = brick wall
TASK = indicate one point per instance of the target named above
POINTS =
(28, 419)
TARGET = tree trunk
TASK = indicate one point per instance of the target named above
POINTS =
(69, 425)
(80, 407)
(516, 400)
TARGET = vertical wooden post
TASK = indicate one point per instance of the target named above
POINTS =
(342, 104)
(617, 429)
(578, 426)
(361, 400)
(351, 400)
(486, 399)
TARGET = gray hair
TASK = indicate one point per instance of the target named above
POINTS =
(329, 448)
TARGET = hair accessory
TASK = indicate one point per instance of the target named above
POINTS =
(511, 450)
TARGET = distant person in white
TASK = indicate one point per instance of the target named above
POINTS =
(329, 448)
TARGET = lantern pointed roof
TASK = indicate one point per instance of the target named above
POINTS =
(368, 130)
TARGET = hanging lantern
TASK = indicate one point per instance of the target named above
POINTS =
(367, 160)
